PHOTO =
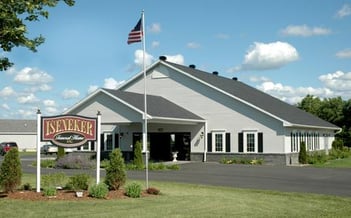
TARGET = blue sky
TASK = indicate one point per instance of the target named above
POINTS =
(286, 48)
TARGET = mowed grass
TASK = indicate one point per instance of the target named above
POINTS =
(338, 163)
(186, 200)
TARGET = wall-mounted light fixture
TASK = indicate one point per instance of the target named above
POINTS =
(201, 135)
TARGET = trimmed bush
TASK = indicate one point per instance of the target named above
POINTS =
(133, 190)
(115, 170)
(49, 191)
(60, 152)
(10, 171)
(75, 162)
(303, 153)
(98, 190)
(138, 157)
(79, 182)
(53, 180)
(317, 157)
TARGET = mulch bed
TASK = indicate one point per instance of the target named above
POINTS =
(62, 195)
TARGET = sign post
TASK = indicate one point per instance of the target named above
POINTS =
(67, 131)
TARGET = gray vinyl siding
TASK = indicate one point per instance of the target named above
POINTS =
(221, 111)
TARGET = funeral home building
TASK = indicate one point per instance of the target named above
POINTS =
(203, 117)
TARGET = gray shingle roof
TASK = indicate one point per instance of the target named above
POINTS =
(257, 98)
(24, 126)
(156, 106)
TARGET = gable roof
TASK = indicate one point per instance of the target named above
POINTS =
(289, 114)
(157, 106)
(24, 126)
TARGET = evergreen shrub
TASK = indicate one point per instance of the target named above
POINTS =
(115, 170)
(11, 171)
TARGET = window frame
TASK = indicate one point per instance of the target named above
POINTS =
(245, 140)
(223, 135)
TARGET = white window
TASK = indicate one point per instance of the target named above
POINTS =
(218, 140)
(250, 141)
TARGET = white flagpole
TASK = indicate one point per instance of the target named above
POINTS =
(145, 149)
(38, 148)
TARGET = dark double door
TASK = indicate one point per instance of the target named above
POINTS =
(162, 145)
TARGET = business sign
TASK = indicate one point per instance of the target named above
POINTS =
(68, 130)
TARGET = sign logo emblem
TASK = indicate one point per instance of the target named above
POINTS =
(68, 131)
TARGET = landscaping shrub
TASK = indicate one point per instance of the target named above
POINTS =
(98, 190)
(138, 157)
(115, 170)
(53, 180)
(75, 162)
(10, 171)
(60, 152)
(133, 190)
(27, 186)
(79, 182)
(338, 144)
(303, 153)
(317, 157)
(153, 191)
(49, 191)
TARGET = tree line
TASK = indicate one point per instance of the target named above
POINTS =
(334, 110)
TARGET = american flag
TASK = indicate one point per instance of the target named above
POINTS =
(136, 34)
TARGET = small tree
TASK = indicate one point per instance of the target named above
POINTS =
(115, 170)
(11, 171)
(138, 157)
(302, 153)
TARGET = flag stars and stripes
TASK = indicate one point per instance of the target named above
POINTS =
(136, 34)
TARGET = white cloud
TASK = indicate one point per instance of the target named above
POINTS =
(92, 88)
(304, 30)
(51, 110)
(111, 83)
(338, 81)
(222, 36)
(263, 56)
(138, 58)
(49, 103)
(344, 53)
(70, 93)
(10, 71)
(178, 59)
(155, 28)
(344, 11)
(26, 113)
(155, 44)
(289, 94)
(27, 99)
(32, 76)
(193, 45)
(7, 92)
(5, 106)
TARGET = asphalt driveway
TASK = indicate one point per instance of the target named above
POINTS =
(280, 178)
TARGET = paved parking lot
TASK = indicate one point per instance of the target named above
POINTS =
(280, 178)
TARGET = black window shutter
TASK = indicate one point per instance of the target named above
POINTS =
(227, 142)
(260, 142)
(209, 142)
(241, 142)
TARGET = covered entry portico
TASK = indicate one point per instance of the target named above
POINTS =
(171, 128)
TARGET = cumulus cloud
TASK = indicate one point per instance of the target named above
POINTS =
(111, 83)
(70, 93)
(344, 53)
(5, 106)
(138, 58)
(32, 76)
(262, 56)
(155, 44)
(304, 30)
(49, 103)
(155, 28)
(290, 94)
(178, 59)
(27, 99)
(92, 88)
(7, 91)
(193, 45)
(344, 11)
(338, 81)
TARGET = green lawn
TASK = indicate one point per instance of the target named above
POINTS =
(186, 200)
(338, 163)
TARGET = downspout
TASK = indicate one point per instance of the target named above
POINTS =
(205, 141)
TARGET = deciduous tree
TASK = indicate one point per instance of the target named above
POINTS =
(13, 29)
